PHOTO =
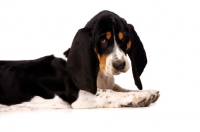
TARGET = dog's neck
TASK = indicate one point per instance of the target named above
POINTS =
(105, 82)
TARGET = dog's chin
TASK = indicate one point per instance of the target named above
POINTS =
(109, 74)
(118, 72)
(113, 73)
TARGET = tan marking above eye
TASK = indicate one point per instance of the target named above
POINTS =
(108, 35)
(120, 35)
(128, 45)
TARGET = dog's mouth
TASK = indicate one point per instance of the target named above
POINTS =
(119, 72)
(114, 72)
(111, 71)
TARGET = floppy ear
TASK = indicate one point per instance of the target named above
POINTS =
(137, 56)
(82, 63)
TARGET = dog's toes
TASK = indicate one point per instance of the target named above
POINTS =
(155, 98)
(140, 99)
(144, 103)
(147, 103)
(155, 94)
(141, 103)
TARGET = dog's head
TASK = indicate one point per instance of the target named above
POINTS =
(103, 45)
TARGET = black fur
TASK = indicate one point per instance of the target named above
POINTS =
(137, 56)
(22, 80)
(82, 63)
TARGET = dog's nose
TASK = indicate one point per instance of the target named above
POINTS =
(119, 65)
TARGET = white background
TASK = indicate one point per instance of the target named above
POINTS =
(170, 32)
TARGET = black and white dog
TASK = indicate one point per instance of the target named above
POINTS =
(83, 75)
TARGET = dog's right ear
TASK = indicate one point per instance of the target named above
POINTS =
(137, 56)
(82, 63)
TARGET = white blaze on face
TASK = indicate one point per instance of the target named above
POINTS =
(117, 54)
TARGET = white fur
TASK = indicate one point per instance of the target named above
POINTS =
(105, 82)
(37, 103)
(62, 56)
(106, 98)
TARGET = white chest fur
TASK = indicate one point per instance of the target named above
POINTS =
(105, 82)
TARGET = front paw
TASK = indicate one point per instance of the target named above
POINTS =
(155, 95)
(140, 99)
(143, 99)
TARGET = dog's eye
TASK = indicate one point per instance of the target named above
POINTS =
(103, 41)
(123, 39)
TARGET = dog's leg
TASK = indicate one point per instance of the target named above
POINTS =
(106, 98)
(155, 94)
(117, 88)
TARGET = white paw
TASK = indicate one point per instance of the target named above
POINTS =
(136, 99)
(155, 95)
(142, 99)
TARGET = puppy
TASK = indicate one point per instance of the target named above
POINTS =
(83, 75)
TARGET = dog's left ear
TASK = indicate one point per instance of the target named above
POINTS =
(82, 63)
(137, 56)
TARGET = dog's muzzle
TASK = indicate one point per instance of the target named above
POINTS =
(119, 65)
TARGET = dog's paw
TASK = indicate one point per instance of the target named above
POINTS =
(155, 95)
(142, 99)
(138, 99)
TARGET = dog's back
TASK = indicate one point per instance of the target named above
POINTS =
(22, 80)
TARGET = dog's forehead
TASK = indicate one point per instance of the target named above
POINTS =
(109, 30)
(112, 27)
(109, 22)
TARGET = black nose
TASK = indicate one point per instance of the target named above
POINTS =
(119, 65)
